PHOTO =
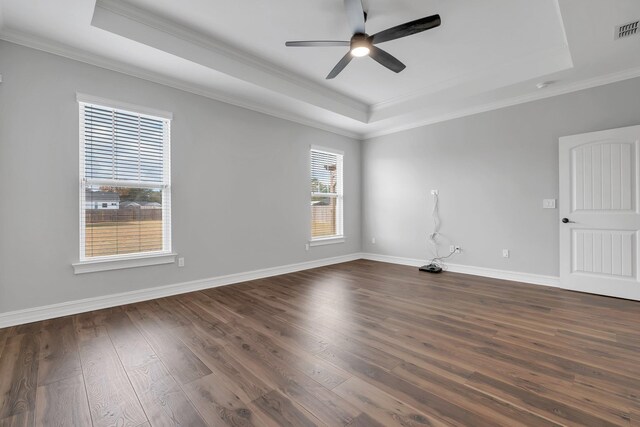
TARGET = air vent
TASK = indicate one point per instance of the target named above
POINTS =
(626, 30)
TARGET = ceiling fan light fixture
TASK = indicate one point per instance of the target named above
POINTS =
(360, 51)
(360, 45)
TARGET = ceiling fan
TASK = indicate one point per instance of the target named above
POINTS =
(362, 44)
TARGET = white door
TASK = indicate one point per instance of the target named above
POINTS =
(600, 217)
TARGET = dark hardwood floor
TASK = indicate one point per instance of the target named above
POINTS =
(358, 344)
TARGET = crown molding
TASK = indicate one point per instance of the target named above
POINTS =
(530, 66)
(523, 99)
(155, 31)
(59, 49)
(560, 55)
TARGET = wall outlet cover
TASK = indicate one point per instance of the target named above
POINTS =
(549, 203)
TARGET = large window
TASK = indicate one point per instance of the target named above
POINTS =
(125, 189)
(326, 195)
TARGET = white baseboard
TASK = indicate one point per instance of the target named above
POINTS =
(535, 279)
(35, 314)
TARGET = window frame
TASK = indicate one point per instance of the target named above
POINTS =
(339, 237)
(108, 262)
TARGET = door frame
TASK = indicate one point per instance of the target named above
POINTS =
(630, 134)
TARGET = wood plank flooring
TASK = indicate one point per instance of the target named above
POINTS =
(355, 344)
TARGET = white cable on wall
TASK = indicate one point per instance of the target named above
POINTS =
(436, 227)
(433, 237)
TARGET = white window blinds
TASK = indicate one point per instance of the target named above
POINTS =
(123, 146)
(326, 194)
(125, 196)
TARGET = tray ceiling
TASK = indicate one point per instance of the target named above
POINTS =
(485, 55)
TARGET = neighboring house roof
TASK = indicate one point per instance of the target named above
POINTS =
(147, 205)
(129, 205)
(103, 196)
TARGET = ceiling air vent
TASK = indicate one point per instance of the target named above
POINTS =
(626, 30)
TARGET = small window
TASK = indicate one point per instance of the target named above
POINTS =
(124, 161)
(326, 194)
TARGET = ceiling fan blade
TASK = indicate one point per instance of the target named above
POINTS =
(386, 59)
(340, 66)
(355, 15)
(406, 29)
(317, 43)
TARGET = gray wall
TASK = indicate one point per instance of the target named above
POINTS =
(240, 188)
(240, 192)
(492, 170)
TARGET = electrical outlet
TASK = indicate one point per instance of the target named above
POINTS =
(434, 192)
(505, 253)
(452, 249)
(306, 246)
(180, 262)
(373, 240)
(549, 204)
(457, 249)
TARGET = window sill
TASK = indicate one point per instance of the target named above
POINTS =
(327, 241)
(92, 266)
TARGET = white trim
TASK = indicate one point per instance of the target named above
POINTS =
(81, 184)
(167, 228)
(549, 92)
(60, 49)
(535, 279)
(339, 196)
(144, 26)
(35, 314)
(559, 55)
(88, 304)
(327, 241)
(92, 265)
(118, 105)
(326, 150)
(65, 51)
(125, 183)
(332, 195)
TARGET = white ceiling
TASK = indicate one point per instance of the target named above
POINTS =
(484, 55)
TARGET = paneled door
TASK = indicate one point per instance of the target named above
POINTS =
(599, 213)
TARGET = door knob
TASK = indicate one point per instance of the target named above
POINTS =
(566, 220)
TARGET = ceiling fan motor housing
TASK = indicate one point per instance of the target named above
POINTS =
(360, 43)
